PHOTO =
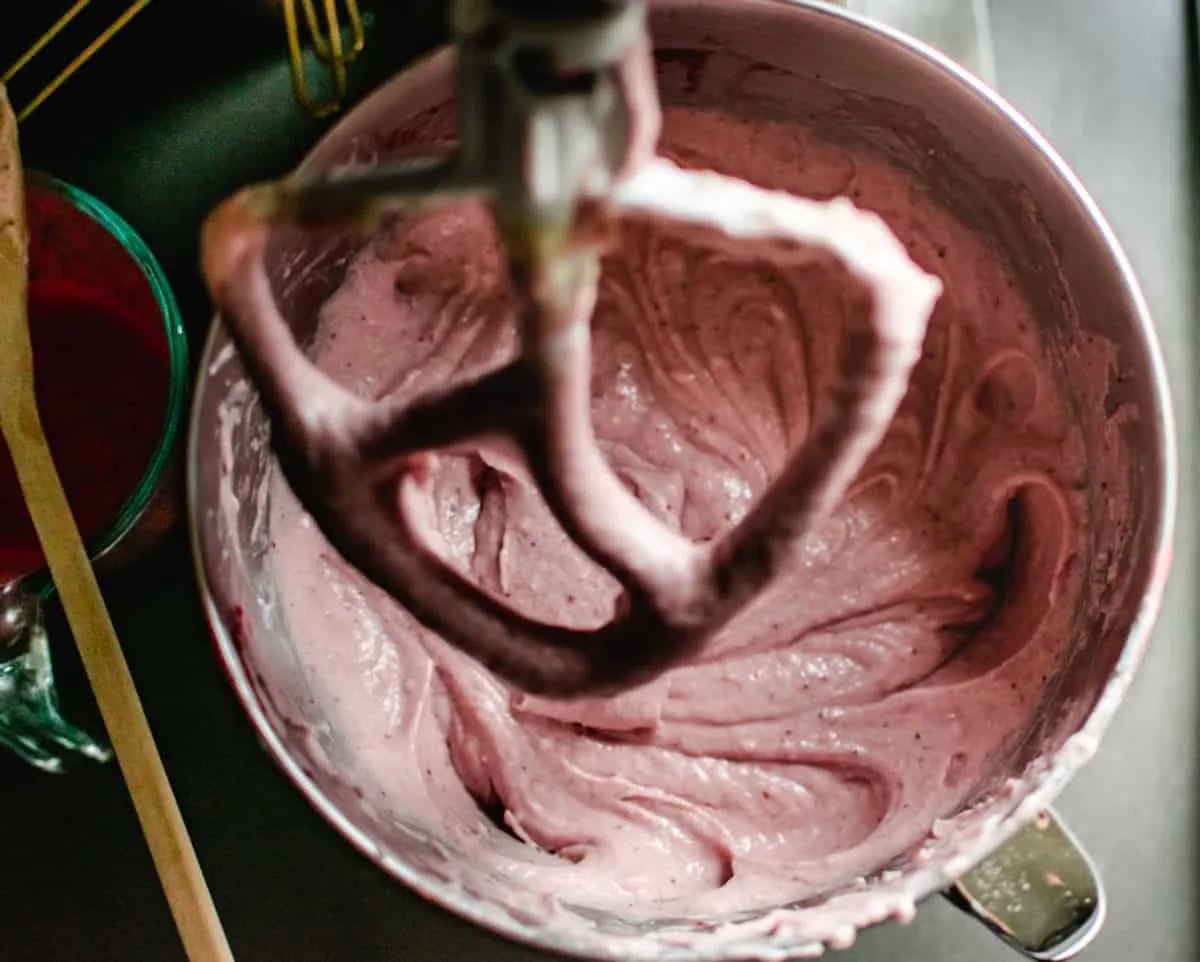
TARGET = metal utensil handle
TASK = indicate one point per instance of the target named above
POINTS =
(328, 46)
(65, 74)
(1040, 892)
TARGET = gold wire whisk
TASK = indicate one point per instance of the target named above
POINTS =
(328, 45)
(80, 59)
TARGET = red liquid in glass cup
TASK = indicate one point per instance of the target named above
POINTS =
(101, 369)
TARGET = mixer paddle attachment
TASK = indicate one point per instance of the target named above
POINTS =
(559, 126)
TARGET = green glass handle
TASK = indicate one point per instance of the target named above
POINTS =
(31, 725)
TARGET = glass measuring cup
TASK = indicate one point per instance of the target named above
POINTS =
(111, 386)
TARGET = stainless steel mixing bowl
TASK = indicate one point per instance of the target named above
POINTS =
(811, 63)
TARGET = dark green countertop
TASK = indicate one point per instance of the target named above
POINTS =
(194, 100)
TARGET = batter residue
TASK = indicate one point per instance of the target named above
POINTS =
(872, 691)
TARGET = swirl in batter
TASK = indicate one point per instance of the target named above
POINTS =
(875, 689)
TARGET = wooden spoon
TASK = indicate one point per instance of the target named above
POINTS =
(170, 847)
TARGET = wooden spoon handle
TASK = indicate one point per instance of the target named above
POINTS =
(167, 837)
(188, 895)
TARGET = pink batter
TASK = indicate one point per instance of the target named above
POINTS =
(873, 690)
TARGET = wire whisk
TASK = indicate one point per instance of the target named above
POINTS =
(335, 35)
(80, 59)
(329, 46)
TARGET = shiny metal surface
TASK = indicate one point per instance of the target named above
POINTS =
(1040, 893)
(993, 142)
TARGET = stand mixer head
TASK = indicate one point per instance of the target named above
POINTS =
(559, 121)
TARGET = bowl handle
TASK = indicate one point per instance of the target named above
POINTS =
(1040, 892)
(31, 726)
